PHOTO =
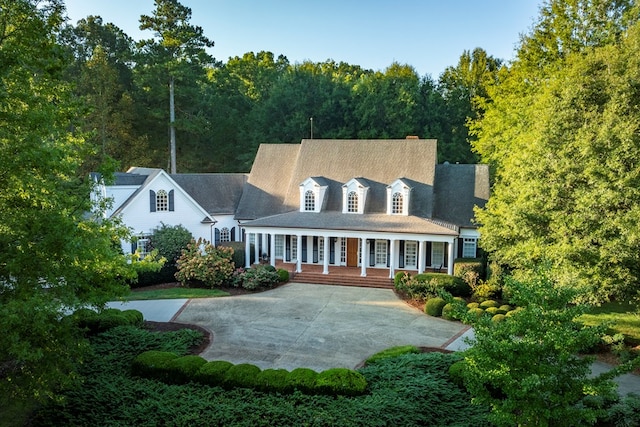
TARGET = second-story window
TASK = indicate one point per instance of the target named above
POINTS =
(396, 203)
(352, 202)
(162, 201)
(309, 201)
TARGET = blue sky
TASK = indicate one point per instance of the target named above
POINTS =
(429, 35)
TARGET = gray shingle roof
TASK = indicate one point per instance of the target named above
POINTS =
(366, 222)
(458, 189)
(217, 193)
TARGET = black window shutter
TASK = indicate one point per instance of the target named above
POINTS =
(134, 246)
(460, 246)
(332, 250)
(171, 204)
(388, 254)
(401, 255)
(217, 236)
(428, 253)
(372, 253)
(304, 248)
(446, 255)
(233, 234)
(315, 249)
(287, 244)
(152, 201)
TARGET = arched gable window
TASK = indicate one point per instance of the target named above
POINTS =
(225, 235)
(162, 201)
(397, 203)
(309, 201)
(352, 202)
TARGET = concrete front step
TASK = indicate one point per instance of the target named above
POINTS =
(334, 279)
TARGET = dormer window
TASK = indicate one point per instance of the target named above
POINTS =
(309, 201)
(352, 202)
(398, 194)
(162, 201)
(354, 196)
(312, 194)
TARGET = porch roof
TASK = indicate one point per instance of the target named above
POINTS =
(355, 222)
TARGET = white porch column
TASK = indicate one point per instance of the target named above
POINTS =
(265, 243)
(363, 257)
(422, 252)
(272, 250)
(450, 251)
(256, 248)
(325, 256)
(299, 251)
(392, 255)
(247, 250)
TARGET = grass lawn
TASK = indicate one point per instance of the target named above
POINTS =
(622, 317)
(174, 293)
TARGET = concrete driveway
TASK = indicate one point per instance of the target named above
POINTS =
(312, 326)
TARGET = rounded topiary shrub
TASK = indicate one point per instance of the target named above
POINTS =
(476, 311)
(153, 364)
(341, 381)
(182, 370)
(447, 312)
(212, 373)
(302, 379)
(283, 275)
(434, 306)
(491, 310)
(134, 317)
(273, 380)
(456, 372)
(473, 305)
(498, 318)
(489, 303)
(241, 375)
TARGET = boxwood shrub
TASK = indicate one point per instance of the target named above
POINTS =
(274, 380)
(96, 322)
(341, 381)
(303, 380)
(241, 375)
(392, 352)
(153, 364)
(212, 373)
(433, 306)
(182, 370)
(426, 285)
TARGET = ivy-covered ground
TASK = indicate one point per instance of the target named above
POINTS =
(409, 390)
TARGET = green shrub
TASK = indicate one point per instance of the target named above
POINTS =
(153, 364)
(506, 307)
(489, 303)
(456, 372)
(270, 268)
(448, 312)
(182, 370)
(392, 352)
(473, 305)
(169, 241)
(94, 322)
(498, 318)
(341, 381)
(260, 276)
(239, 253)
(400, 279)
(283, 275)
(134, 317)
(491, 310)
(273, 380)
(477, 311)
(433, 307)
(241, 375)
(212, 373)
(302, 379)
(486, 290)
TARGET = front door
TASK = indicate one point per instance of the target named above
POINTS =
(352, 252)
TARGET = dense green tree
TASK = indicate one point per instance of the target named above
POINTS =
(564, 142)
(53, 258)
(175, 56)
(464, 89)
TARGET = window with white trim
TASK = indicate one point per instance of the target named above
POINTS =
(410, 253)
(343, 251)
(225, 235)
(381, 252)
(437, 254)
(309, 201)
(294, 248)
(320, 249)
(279, 242)
(143, 246)
(162, 201)
(469, 245)
(396, 203)
(352, 202)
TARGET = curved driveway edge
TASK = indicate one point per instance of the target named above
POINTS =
(312, 326)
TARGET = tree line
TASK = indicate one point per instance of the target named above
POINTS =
(224, 110)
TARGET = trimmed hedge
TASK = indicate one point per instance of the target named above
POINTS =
(171, 369)
(96, 322)
(283, 274)
(426, 285)
(392, 352)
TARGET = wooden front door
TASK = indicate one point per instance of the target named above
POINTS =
(352, 252)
